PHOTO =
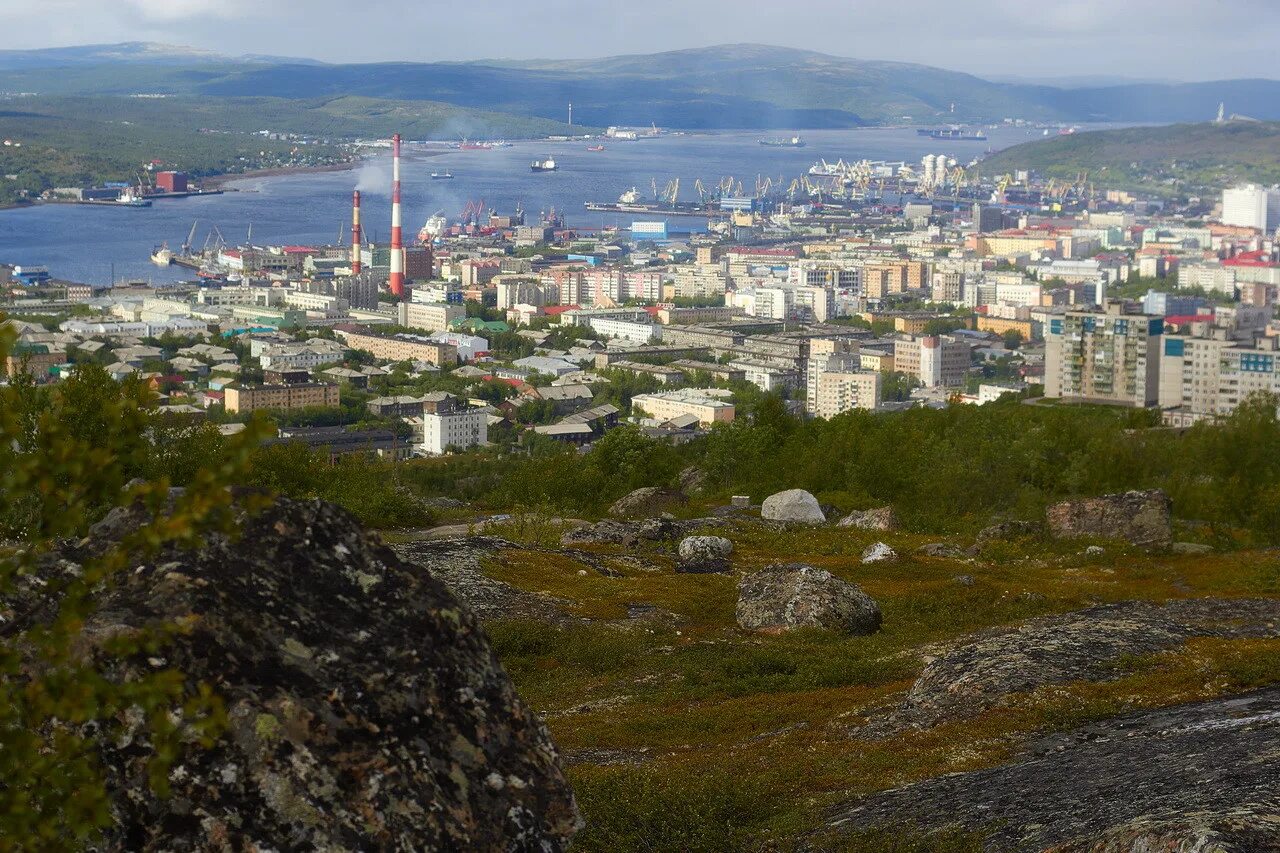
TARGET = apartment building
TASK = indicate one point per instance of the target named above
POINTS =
(704, 404)
(434, 317)
(1103, 356)
(934, 360)
(843, 391)
(301, 356)
(631, 331)
(1208, 377)
(296, 396)
(402, 347)
(448, 429)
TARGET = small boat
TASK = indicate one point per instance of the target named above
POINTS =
(595, 147)
(791, 142)
(442, 176)
(547, 165)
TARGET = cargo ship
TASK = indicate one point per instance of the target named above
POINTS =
(788, 142)
(952, 133)
(547, 165)
(595, 147)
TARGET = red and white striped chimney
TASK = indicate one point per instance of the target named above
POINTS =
(397, 238)
(355, 233)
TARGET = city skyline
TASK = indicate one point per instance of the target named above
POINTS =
(1083, 41)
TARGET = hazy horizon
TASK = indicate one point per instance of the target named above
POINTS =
(1145, 40)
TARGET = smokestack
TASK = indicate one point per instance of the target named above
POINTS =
(355, 233)
(397, 238)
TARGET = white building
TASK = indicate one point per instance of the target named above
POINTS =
(626, 330)
(303, 356)
(456, 430)
(468, 346)
(434, 317)
(1251, 206)
(843, 392)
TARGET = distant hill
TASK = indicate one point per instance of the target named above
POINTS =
(726, 86)
(133, 52)
(1191, 156)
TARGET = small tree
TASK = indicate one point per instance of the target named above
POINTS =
(67, 456)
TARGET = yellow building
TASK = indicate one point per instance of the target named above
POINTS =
(301, 396)
(664, 407)
(999, 326)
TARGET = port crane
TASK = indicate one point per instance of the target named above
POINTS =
(186, 245)
(671, 192)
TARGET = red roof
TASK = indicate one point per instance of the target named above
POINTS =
(652, 310)
(298, 250)
(557, 310)
(1184, 319)
(1249, 259)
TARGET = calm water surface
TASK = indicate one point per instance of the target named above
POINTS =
(85, 243)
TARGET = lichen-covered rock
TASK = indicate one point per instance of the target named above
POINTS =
(879, 552)
(1143, 518)
(880, 518)
(786, 596)
(1198, 777)
(944, 550)
(795, 506)
(704, 554)
(692, 480)
(981, 670)
(632, 533)
(648, 502)
(1003, 530)
(455, 561)
(366, 709)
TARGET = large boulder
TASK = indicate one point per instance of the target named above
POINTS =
(795, 506)
(1192, 777)
(648, 502)
(365, 708)
(704, 554)
(1142, 518)
(980, 671)
(1006, 530)
(880, 518)
(786, 596)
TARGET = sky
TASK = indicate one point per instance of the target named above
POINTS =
(1026, 39)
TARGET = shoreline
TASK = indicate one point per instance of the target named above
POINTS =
(219, 182)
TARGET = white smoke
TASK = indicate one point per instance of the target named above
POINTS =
(374, 178)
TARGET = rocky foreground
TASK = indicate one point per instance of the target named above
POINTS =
(365, 707)
(1081, 684)
(755, 679)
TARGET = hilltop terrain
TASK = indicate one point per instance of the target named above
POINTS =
(1189, 156)
(725, 86)
(1038, 669)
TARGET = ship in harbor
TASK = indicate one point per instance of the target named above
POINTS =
(546, 165)
(956, 134)
(785, 142)
(434, 227)
(162, 255)
(442, 176)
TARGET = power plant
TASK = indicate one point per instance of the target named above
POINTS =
(396, 281)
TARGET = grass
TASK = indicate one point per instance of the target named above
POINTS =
(685, 733)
